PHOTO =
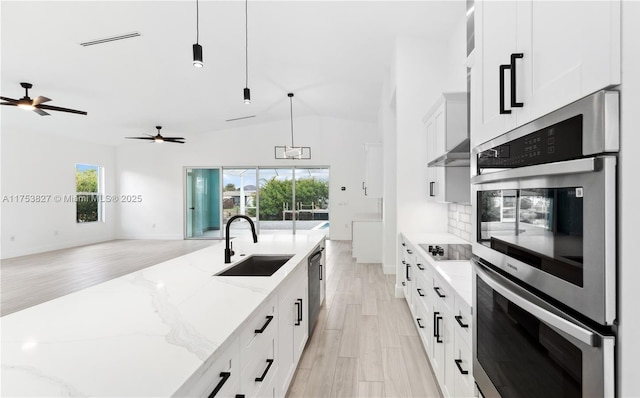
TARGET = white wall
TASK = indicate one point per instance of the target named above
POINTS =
(156, 171)
(421, 71)
(628, 344)
(45, 164)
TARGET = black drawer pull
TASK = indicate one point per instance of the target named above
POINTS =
(225, 376)
(420, 267)
(420, 292)
(514, 103)
(409, 251)
(320, 271)
(408, 277)
(458, 362)
(419, 324)
(404, 284)
(459, 319)
(299, 305)
(435, 323)
(437, 289)
(269, 318)
(438, 319)
(432, 188)
(264, 374)
(503, 111)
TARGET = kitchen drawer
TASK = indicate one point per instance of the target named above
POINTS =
(463, 382)
(421, 290)
(442, 292)
(424, 269)
(220, 372)
(259, 363)
(463, 318)
(261, 325)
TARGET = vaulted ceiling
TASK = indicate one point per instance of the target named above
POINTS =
(334, 55)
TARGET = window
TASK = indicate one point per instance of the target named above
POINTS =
(88, 190)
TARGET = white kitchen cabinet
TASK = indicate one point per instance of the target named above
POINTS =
(463, 383)
(446, 124)
(407, 257)
(446, 128)
(366, 242)
(373, 184)
(563, 58)
(220, 374)
(293, 325)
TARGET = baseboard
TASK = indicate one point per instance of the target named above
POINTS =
(399, 292)
(388, 269)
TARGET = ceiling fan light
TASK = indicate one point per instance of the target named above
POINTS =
(197, 56)
(26, 106)
(247, 95)
(158, 139)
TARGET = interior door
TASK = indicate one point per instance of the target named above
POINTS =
(202, 203)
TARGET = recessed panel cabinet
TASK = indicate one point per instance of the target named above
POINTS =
(373, 184)
(533, 57)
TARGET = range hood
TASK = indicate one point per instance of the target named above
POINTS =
(459, 156)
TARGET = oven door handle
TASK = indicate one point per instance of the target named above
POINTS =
(577, 166)
(546, 316)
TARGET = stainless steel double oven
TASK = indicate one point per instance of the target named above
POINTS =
(544, 200)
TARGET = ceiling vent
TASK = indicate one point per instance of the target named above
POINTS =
(108, 39)
(240, 118)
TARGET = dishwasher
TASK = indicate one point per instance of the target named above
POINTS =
(315, 278)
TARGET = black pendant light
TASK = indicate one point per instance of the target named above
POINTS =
(247, 91)
(197, 48)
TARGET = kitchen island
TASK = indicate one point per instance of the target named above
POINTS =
(144, 334)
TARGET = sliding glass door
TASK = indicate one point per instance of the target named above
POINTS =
(202, 204)
(277, 199)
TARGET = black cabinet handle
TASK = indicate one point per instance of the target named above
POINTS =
(320, 271)
(404, 262)
(432, 190)
(225, 376)
(459, 319)
(239, 395)
(419, 324)
(363, 185)
(299, 310)
(514, 103)
(438, 319)
(409, 251)
(420, 267)
(408, 277)
(297, 303)
(458, 362)
(403, 244)
(503, 111)
(264, 374)
(437, 289)
(435, 323)
(269, 318)
(420, 292)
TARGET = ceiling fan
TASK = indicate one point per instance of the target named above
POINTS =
(36, 104)
(159, 138)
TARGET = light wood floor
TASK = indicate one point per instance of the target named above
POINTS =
(365, 343)
(29, 280)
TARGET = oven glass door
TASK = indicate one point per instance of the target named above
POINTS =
(526, 350)
(542, 227)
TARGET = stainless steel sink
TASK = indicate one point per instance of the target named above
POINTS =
(257, 265)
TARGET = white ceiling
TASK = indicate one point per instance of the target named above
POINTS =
(334, 55)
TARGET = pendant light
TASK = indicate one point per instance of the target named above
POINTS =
(292, 152)
(247, 91)
(197, 48)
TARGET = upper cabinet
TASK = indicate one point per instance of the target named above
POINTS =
(373, 186)
(533, 57)
(448, 149)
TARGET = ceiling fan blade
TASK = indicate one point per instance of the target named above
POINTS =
(8, 103)
(173, 141)
(8, 99)
(139, 138)
(40, 99)
(174, 138)
(57, 108)
(40, 112)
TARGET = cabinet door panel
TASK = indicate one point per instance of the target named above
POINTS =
(497, 40)
(570, 50)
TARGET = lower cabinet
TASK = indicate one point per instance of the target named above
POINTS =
(443, 321)
(293, 325)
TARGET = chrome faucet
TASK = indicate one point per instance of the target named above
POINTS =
(228, 250)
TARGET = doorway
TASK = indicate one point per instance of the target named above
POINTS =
(203, 204)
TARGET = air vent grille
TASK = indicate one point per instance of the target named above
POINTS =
(240, 118)
(109, 39)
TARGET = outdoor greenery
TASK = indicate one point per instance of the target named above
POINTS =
(86, 204)
(276, 194)
(230, 187)
(490, 209)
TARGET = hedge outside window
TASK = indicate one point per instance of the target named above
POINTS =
(88, 204)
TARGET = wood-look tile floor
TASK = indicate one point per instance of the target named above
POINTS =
(365, 343)
(30, 280)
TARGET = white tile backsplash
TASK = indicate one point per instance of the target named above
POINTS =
(460, 220)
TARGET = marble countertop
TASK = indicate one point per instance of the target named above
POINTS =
(457, 273)
(143, 334)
